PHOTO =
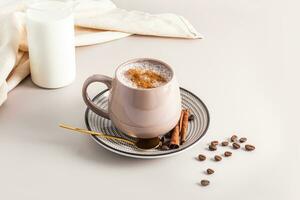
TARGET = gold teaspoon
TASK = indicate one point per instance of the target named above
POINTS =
(94, 133)
(146, 143)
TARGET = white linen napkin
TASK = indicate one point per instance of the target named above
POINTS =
(96, 21)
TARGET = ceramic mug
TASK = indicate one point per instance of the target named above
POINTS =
(138, 112)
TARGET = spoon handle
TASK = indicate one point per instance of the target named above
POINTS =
(84, 131)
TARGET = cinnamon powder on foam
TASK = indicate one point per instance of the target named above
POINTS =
(145, 78)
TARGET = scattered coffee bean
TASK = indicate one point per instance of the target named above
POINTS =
(225, 143)
(212, 147)
(233, 138)
(249, 147)
(165, 147)
(204, 182)
(191, 117)
(227, 153)
(218, 158)
(236, 145)
(210, 171)
(243, 139)
(201, 157)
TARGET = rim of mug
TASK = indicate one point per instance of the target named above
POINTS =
(137, 59)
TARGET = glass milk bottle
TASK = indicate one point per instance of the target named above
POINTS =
(50, 35)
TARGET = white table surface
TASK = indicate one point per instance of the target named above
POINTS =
(238, 70)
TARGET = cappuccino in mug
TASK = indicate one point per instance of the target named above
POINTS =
(144, 98)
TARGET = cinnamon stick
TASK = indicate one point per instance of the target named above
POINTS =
(174, 143)
(180, 120)
(185, 122)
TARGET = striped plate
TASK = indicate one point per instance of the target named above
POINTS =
(196, 129)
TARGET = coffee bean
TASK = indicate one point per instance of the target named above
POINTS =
(162, 139)
(225, 143)
(243, 139)
(249, 147)
(227, 153)
(201, 157)
(210, 171)
(212, 147)
(218, 158)
(204, 182)
(214, 142)
(165, 147)
(191, 117)
(236, 145)
(233, 138)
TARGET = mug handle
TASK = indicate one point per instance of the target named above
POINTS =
(90, 104)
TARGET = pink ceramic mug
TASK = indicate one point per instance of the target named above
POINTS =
(138, 112)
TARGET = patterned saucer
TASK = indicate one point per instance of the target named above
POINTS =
(196, 129)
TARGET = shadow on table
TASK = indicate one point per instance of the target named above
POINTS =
(96, 153)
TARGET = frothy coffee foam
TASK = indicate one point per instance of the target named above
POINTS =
(144, 75)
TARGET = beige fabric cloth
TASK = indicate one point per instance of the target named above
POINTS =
(96, 21)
